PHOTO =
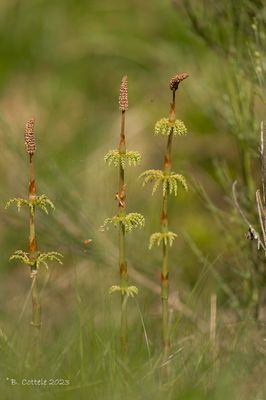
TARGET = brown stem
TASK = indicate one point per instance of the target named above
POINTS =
(122, 249)
(36, 305)
(164, 228)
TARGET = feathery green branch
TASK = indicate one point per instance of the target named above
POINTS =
(41, 258)
(158, 237)
(129, 221)
(116, 158)
(38, 201)
(169, 180)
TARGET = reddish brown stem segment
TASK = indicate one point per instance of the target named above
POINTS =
(33, 254)
(174, 83)
(121, 197)
(36, 305)
(164, 229)
(122, 247)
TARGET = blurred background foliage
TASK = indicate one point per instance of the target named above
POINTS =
(62, 62)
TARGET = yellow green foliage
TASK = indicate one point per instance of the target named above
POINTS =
(116, 158)
(166, 237)
(129, 291)
(169, 181)
(40, 201)
(130, 221)
(165, 127)
(40, 260)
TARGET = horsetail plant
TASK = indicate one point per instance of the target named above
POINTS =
(170, 181)
(33, 258)
(123, 221)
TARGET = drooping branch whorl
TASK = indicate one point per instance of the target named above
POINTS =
(123, 94)
(174, 82)
(29, 137)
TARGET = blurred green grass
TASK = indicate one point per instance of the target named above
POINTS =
(62, 62)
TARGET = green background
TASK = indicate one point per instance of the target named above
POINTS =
(62, 62)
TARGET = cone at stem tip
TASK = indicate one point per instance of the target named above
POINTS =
(175, 80)
(123, 94)
(29, 137)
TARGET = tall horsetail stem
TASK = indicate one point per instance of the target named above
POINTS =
(33, 258)
(125, 223)
(169, 181)
(167, 168)
(33, 254)
(123, 106)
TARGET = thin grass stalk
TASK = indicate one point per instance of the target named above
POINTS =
(261, 311)
(80, 322)
(213, 315)
(263, 161)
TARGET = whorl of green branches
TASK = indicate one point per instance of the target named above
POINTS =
(165, 127)
(129, 291)
(40, 260)
(167, 237)
(116, 158)
(40, 201)
(130, 221)
(169, 181)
